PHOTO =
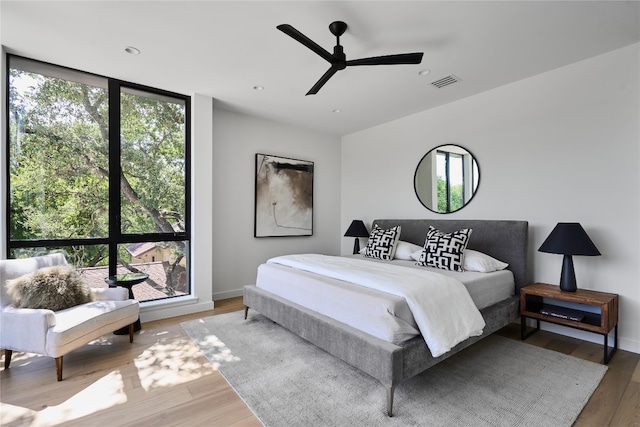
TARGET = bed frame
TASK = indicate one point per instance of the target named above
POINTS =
(389, 363)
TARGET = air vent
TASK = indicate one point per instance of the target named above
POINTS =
(446, 81)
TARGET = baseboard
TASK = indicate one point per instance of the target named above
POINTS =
(227, 294)
(148, 314)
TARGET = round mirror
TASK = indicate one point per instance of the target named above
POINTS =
(446, 178)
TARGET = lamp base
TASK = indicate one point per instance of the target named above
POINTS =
(356, 246)
(568, 275)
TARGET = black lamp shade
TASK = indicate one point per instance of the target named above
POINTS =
(356, 229)
(569, 238)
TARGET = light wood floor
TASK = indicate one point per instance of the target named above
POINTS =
(162, 379)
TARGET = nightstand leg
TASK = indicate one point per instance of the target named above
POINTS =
(523, 328)
(607, 353)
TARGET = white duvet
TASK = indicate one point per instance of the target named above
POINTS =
(441, 305)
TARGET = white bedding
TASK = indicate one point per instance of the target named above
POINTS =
(485, 288)
(441, 306)
(380, 314)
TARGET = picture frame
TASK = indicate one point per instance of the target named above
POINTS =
(283, 196)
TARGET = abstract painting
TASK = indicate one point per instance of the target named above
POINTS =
(284, 197)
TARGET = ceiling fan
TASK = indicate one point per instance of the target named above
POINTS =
(338, 59)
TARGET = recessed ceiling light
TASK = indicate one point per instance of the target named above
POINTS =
(258, 87)
(337, 110)
(132, 50)
(424, 72)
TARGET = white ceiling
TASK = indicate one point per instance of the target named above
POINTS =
(224, 48)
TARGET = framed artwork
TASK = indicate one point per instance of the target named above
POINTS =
(284, 197)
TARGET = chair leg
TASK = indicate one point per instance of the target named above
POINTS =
(131, 331)
(9, 353)
(7, 358)
(59, 367)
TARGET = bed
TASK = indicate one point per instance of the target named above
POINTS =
(391, 363)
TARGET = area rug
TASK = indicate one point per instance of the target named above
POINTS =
(287, 381)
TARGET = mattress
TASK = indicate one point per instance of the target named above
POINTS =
(485, 289)
(377, 313)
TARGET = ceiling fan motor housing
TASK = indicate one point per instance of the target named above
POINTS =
(337, 28)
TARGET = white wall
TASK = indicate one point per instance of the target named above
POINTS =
(562, 146)
(236, 140)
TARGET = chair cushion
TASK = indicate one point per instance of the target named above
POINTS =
(78, 325)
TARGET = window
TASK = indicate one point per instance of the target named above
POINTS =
(457, 179)
(99, 168)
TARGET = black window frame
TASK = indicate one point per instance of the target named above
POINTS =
(116, 237)
(447, 158)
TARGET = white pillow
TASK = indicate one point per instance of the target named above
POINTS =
(405, 250)
(477, 261)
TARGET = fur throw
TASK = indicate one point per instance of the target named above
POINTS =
(54, 288)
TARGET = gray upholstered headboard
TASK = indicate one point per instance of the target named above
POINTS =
(504, 240)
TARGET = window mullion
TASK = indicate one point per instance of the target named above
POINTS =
(114, 174)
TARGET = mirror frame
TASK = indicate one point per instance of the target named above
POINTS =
(417, 174)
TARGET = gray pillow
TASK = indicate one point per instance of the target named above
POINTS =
(54, 288)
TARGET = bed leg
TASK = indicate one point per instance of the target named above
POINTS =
(246, 312)
(390, 391)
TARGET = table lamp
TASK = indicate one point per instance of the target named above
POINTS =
(569, 238)
(357, 229)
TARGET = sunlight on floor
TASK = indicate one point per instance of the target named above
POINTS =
(101, 394)
(162, 369)
(15, 414)
(169, 362)
(215, 350)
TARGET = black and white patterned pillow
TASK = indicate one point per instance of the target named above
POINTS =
(445, 251)
(382, 243)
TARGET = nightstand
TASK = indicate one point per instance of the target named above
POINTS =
(587, 310)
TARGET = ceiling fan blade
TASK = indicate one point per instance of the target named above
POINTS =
(325, 78)
(402, 58)
(297, 35)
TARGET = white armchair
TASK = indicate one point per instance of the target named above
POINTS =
(52, 333)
